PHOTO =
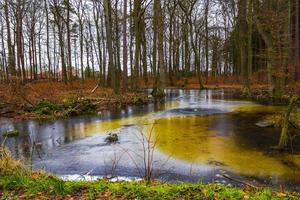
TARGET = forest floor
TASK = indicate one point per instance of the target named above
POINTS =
(46, 100)
(16, 182)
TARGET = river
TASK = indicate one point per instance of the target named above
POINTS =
(192, 136)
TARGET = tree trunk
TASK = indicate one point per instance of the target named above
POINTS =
(137, 30)
(158, 24)
(125, 56)
(297, 40)
(285, 126)
(47, 39)
(108, 25)
(69, 40)
(11, 57)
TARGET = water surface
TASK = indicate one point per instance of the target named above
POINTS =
(196, 135)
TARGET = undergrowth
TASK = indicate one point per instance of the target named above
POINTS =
(16, 182)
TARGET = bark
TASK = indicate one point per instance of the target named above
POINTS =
(285, 126)
(108, 23)
(158, 22)
(70, 74)
(48, 39)
(125, 49)
(137, 30)
(297, 40)
(206, 40)
(11, 57)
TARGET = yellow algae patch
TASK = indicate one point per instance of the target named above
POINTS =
(92, 128)
(108, 125)
(252, 108)
(98, 127)
(191, 139)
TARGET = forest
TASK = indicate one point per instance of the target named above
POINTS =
(124, 43)
(164, 84)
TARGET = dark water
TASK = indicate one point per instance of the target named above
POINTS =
(196, 134)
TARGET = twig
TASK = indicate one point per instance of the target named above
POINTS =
(238, 181)
(95, 88)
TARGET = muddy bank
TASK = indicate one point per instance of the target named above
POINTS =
(50, 101)
(48, 110)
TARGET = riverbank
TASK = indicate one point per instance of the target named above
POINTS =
(45, 100)
(259, 90)
(39, 186)
(16, 182)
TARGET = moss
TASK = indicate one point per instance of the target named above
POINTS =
(295, 117)
(46, 108)
(80, 106)
(138, 101)
(74, 107)
(112, 138)
(10, 134)
(158, 93)
(276, 120)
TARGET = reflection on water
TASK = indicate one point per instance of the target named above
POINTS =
(226, 140)
(198, 127)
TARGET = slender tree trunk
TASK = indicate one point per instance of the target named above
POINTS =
(117, 48)
(104, 53)
(297, 40)
(81, 49)
(137, 30)
(62, 55)
(48, 39)
(144, 53)
(70, 74)
(11, 57)
(206, 40)
(125, 56)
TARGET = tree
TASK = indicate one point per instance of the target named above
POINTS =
(137, 12)
(243, 36)
(188, 15)
(11, 56)
(108, 26)
(275, 34)
(158, 28)
(57, 10)
(68, 20)
(80, 14)
(296, 40)
(125, 49)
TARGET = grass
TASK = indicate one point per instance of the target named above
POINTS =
(16, 182)
(39, 185)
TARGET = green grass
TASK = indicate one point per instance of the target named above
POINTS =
(16, 182)
(23, 184)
